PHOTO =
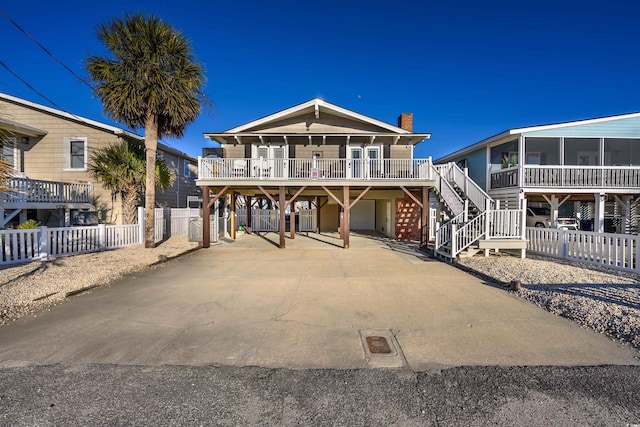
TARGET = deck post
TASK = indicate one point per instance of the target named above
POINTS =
(234, 198)
(346, 217)
(283, 221)
(206, 218)
(249, 218)
(318, 207)
(292, 220)
(424, 224)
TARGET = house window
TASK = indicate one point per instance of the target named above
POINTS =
(76, 153)
(8, 152)
(159, 155)
(186, 171)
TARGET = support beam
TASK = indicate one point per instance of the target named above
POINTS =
(365, 191)
(295, 196)
(283, 220)
(269, 196)
(318, 207)
(216, 197)
(598, 221)
(292, 221)
(206, 218)
(338, 201)
(424, 218)
(249, 218)
(415, 199)
(346, 218)
(234, 199)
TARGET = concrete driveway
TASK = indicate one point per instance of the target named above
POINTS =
(312, 305)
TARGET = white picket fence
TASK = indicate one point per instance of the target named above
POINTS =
(269, 219)
(21, 246)
(619, 251)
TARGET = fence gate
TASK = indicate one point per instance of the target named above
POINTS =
(307, 220)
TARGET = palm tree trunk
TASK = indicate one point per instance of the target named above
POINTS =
(151, 144)
(130, 200)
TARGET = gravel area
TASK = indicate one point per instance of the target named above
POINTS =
(28, 287)
(603, 299)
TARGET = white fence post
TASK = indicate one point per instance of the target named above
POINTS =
(141, 224)
(102, 237)
(43, 242)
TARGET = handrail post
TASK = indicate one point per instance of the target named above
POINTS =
(487, 235)
(454, 232)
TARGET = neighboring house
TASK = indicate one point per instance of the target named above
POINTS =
(359, 173)
(50, 150)
(586, 169)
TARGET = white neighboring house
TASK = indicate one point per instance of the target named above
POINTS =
(586, 169)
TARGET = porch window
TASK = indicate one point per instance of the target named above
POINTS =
(542, 151)
(76, 153)
(502, 155)
(582, 151)
(621, 152)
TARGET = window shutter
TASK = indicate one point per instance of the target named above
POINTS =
(247, 151)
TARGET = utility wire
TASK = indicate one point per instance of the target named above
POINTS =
(29, 86)
(37, 43)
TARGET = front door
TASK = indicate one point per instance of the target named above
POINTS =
(278, 167)
(373, 153)
(356, 162)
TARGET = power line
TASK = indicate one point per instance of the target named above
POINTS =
(37, 43)
(26, 83)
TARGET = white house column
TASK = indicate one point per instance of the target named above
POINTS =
(521, 159)
(598, 220)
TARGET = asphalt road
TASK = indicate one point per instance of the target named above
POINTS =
(207, 395)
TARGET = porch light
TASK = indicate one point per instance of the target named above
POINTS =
(24, 139)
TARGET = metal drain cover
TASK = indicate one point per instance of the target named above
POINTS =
(378, 345)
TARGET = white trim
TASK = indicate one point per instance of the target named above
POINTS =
(67, 153)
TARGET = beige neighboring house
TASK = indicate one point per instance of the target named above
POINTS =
(50, 150)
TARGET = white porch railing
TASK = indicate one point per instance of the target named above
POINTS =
(25, 190)
(619, 251)
(456, 235)
(567, 176)
(314, 169)
(453, 173)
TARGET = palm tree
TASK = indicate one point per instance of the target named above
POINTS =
(151, 80)
(121, 169)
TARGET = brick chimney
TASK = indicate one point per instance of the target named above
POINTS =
(405, 121)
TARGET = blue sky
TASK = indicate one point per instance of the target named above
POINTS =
(466, 70)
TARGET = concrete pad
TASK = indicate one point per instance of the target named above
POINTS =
(249, 303)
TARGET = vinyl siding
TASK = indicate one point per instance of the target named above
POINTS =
(629, 127)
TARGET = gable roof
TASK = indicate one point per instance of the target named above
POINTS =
(31, 131)
(316, 107)
(538, 128)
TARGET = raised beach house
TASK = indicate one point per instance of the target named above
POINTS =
(353, 172)
(586, 169)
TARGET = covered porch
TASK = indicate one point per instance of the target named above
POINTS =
(398, 211)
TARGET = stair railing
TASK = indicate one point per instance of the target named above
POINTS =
(468, 233)
(451, 198)
(470, 188)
